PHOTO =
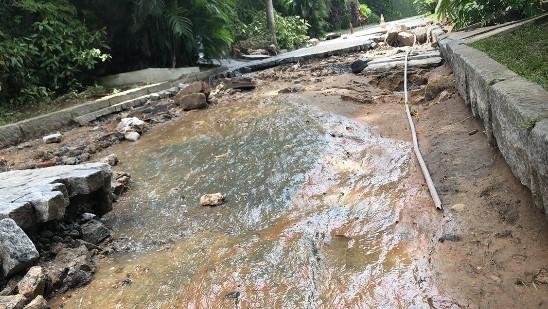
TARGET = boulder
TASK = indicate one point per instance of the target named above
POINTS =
(17, 251)
(214, 199)
(52, 138)
(13, 302)
(195, 87)
(34, 283)
(42, 195)
(405, 38)
(37, 303)
(391, 37)
(358, 66)
(94, 231)
(132, 136)
(191, 101)
(132, 124)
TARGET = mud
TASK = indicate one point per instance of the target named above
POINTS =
(344, 221)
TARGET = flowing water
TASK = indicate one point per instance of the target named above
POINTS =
(310, 219)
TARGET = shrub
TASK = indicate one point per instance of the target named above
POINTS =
(291, 32)
(466, 12)
(365, 11)
(48, 56)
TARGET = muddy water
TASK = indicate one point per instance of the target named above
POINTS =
(313, 202)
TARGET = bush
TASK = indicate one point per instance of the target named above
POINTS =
(466, 12)
(48, 56)
(365, 11)
(291, 32)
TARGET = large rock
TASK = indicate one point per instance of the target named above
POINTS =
(191, 101)
(94, 231)
(34, 283)
(422, 34)
(358, 66)
(42, 195)
(12, 302)
(17, 251)
(195, 87)
(71, 268)
(406, 38)
(391, 37)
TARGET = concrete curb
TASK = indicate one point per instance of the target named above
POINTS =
(15, 133)
(513, 110)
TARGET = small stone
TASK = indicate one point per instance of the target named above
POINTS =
(111, 159)
(473, 132)
(541, 276)
(155, 97)
(70, 160)
(38, 303)
(313, 42)
(132, 124)
(52, 138)
(449, 237)
(458, 207)
(13, 302)
(214, 199)
(85, 217)
(504, 234)
(332, 35)
(94, 231)
(34, 283)
(358, 66)
(17, 251)
(132, 136)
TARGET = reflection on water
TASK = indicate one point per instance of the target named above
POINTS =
(312, 203)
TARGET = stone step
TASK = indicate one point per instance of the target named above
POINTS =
(116, 108)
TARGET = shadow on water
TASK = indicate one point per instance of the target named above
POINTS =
(312, 203)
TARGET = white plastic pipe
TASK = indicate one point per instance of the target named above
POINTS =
(416, 148)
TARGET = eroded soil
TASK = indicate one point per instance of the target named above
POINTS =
(485, 250)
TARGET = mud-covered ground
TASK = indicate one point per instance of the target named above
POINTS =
(488, 248)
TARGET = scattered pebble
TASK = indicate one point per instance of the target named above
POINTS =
(214, 199)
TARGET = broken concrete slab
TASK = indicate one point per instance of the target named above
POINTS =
(33, 196)
(17, 251)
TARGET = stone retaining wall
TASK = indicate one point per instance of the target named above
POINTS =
(514, 113)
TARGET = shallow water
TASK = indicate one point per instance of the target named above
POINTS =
(313, 199)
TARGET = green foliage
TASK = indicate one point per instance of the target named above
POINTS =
(365, 11)
(426, 6)
(291, 31)
(523, 50)
(44, 50)
(315, 12)
(466, 12)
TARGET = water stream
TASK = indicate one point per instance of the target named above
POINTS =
(312, 202)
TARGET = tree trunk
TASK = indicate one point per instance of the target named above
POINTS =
(270, 20)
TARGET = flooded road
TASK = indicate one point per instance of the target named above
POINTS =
(312, 217)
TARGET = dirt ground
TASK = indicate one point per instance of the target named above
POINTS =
(489, 246)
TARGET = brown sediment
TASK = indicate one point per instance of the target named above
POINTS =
(326, 206)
